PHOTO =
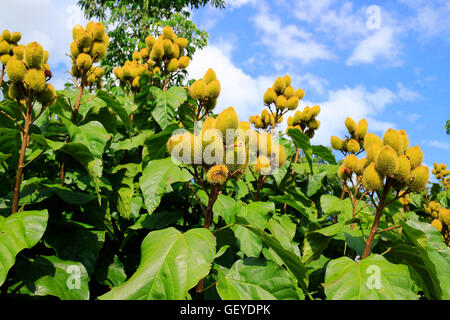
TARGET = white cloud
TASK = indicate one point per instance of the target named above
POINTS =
(436, 144)
(381, 44)
(239, 3)
(407, 94)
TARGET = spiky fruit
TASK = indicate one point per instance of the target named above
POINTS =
(372, 139)
(175, 51)
(98, 31)
(135, 83)
(98, 51)
(77, 29)
(350, 124)
(444, 216)
(362, 164)
(300, 93)
(351, 162)
(157, 51)
(280, 155)
(6, 35)
(404, 168)
(415, 156)
(149, 42)
(209, 76)
(16, 70)
(19, 51)
(270, 96)
(84, 39)
(313, 124)
(4, 59)
(168, 49)
(46, 96)
(437, 224)
(281, 102)
(173, 142)
(344, 172)
(15, 37)
(306, 114)
(292, 103)
(198, 89)
(144, 53)
(287, 80)
(182, 43)
(353, 146)
(336, 143)
(236, 157)
(84, 62)
(167, 32)
(13, 92)
(262, 165)
(371, 179)
(227, 120)
(184, 62)
(387, 161)
(136, 56)
(392, 138)
(34, 55)
(35, 80)
(404, 139)
(4, 47)
(218, 174)
(288, 92)
(173, 65)
(99, 72)
(419, 178)
(315, 110)
(213, 89)
(279, 85)
(361, 129)
(372, 152)
(74, 50)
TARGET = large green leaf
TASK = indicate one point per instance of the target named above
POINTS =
(166, 103)
(256, 279)
(301, 141)
(324, 153)
(426, 252)
(49, 275)
(156, 179)
(224, 207)
(373, 278)
(171, 264)
(316, 241)
(114, 104)
(17, 232)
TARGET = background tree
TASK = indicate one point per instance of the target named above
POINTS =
(129, 22)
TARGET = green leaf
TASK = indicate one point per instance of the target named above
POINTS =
(297, 205)
(68, 195)
(114, 104)
(301, 141)
(19, 231)
(324, 153)
(171, 264)
(155, 146)
(224, 207)
(428, 255)
(373, 278)
(156, 179)
(315, 183)
(166, 103)
(51, 276)
(133, 142)
(316, 241)
(256, 279)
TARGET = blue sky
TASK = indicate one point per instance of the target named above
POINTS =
(387, 61)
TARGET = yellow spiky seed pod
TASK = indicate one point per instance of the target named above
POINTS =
(6, 35)
(98, 51)
(281, 102)
(236, 158)
(209, 76)
(279, 85)
(265, 143)
(144, 53)
(444, 216)
(415, 156)
(157, 51)
(290, 121)
(344, 172)
(135, 83)
(280, 155)
(213, 89)
(156, 71)
(13, 92)
(98, 31)
(287, 80)
(361, 129)
(167, 32)
(184, 62)
(34, 55)
(198, 90)
(292, 103)
(288, 92)
(218, 174)
(118, 72)
(84, 39)
(244, 125)
(270, 96)
(404, 168)
(76, 31)
(19, 51)
(336, 143)
(262, 165)
(91, 79)
(372, 152)
(4, 59)
(136, 56)
(175, 50)
(362, 164)
(15, 37)
(75, 72)
(392, 138)
(300, 93)
(173, 65)
(315, 110)
(371, 139)
(350, 124)
(99, 72)
(173, 142)
(182, 43)
(74, 50)
(35, 80)
(313, 124)
(16, 70)
(404, 139)
(371, 179)
(387, 161)
(84, 62)
(306, 114)
(46, 96)
(353, 146)
(351, 162)
(437, 224)
(168, 49)
(419, 178)
(149, 42)
(227, 120)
